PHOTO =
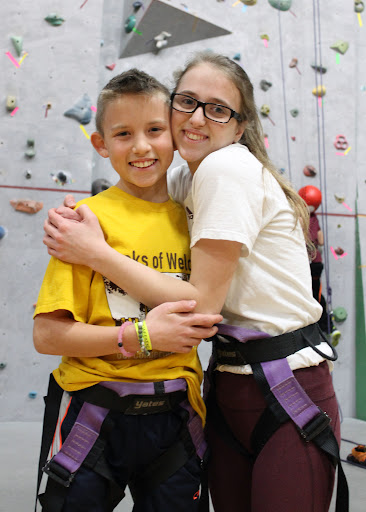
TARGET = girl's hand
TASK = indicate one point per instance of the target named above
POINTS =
(76, 239)
(174, 328)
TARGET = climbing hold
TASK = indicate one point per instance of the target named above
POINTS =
(339, 251)
(62, 177)
(136, 6)
(2, 366)
(265, 110)
(18, 44)
(293, 63)
(358, 455)
(281, 5)
(111, 66)
(30, 153)
(265, 85)
(26, 205)
(312, 197)
(28, 174)
(359, 6)
(294, 112)
(282, 170)
(264, 36)
(11, 103)
(237, 56)
(54, 19)
(309, 170)
(339, 314)
(81, 111)
(162, 39)
(130, 23)
(2, 232)
(32, 394)
(248, 2)
(340, 198)
(340, 46)
(341, 142)
(293, 137)
(319, 69)
(99, 185)
(339, 225)
(319, 91)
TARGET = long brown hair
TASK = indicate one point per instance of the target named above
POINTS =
(253, 137)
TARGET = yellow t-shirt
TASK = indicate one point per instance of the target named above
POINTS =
(154, 234)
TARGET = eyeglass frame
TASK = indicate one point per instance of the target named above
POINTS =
(203, 104)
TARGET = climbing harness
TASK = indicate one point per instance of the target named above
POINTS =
(286, 399)
(86, 441)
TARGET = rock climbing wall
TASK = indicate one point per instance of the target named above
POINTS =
(305, 61)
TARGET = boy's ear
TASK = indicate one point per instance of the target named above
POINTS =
(98, 143)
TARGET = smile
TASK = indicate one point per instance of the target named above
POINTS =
(195, 136)
(142, 165)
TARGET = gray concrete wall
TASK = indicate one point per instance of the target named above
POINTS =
(67, 61)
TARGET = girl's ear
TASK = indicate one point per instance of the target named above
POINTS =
(240, 131)
(99, 145)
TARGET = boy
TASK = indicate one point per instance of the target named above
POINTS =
(111, 380)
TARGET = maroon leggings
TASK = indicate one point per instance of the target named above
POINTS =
(289, 475)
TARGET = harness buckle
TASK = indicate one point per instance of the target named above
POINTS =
(315, 426)
(58, 473)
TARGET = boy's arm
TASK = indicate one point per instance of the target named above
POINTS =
(57, 333)
(213, 264)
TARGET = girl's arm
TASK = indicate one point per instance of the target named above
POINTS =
(57, 333)
(213, 264)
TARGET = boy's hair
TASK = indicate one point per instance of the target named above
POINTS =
(132, 81)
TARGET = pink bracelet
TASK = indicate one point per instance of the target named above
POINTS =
(119, 339)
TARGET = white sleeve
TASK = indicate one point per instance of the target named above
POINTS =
(228, 194)
(179, 182)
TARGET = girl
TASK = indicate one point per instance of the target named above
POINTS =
(249, 261)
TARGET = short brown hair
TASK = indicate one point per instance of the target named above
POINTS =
(132, 81)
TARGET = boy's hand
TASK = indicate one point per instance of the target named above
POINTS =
(73, 241)
(174, 328)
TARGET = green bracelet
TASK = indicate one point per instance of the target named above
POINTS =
(143, 337)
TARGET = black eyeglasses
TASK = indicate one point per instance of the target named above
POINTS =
(213, 111)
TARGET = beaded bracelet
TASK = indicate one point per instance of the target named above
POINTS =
(143, 337)
(119, 339)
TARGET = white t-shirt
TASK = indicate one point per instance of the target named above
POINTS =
(231, 197)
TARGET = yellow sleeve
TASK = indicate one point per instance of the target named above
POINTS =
(65, 286)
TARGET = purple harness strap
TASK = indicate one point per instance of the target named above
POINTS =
(280, 378)
(86, 428)
(289, 393)
(82, 437)
(144, 388)
(195, 429)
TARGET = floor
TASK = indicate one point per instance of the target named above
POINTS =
(19, 448)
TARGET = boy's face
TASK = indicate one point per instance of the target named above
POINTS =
(138, 142)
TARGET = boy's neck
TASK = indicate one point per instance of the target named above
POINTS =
(158, 194)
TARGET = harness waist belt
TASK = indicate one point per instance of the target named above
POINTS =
(236, 346)
(135, 397)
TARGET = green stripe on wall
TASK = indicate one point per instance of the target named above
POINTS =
(360, 333)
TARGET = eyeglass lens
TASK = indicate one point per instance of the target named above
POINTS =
(211, 110)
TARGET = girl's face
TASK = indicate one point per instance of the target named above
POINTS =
(194, 135)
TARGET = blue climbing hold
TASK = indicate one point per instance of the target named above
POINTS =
(2, 232)
(81, 111)
(281, 5)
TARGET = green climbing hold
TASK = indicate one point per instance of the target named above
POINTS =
(339, 314)
(54, 19)
(18, 44)
(130, 23)
(359, 6)
(294, 112)
(320, 69)
(281, 5)
(340, 46)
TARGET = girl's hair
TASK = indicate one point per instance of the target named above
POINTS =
(132, 81)
(253, 136)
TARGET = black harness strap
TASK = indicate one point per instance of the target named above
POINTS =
(52, 404)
